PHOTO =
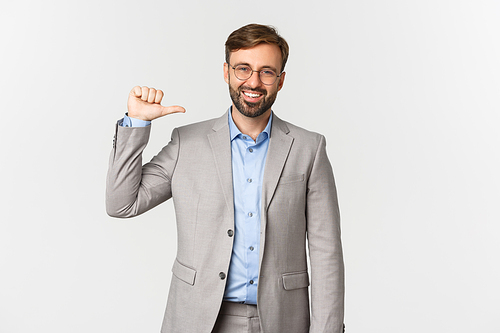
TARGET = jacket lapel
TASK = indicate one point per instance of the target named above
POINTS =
(277, 154)
(221, 149)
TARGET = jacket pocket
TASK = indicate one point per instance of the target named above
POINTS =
(184, 273)
(291, 178)
(295, 280)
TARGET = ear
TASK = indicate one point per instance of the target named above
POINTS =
(282, 80)
(226, 72)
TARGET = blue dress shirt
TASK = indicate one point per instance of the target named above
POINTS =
(248, 162)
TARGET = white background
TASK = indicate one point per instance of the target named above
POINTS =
(406, 92)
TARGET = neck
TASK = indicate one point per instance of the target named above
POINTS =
(251, 126)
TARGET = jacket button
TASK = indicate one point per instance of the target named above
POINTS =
(222, 275)
(230, 233)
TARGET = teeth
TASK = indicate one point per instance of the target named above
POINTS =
(252, 95)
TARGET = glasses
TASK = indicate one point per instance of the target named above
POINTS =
(266, 76)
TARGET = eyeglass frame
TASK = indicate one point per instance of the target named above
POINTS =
(234, 70)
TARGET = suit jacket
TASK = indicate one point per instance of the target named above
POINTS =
(299, 201)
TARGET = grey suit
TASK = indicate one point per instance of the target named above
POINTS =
(298, 199)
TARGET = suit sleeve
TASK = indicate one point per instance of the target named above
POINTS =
(325, 247)
(131, 188)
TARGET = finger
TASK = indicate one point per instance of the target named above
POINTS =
(145, 92)
(136, 91)
(159, 96)
(172, 109)
(151, 95)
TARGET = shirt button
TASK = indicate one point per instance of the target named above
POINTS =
(244, 137)
(250, 150)
(250, 214)
(230, 233)
(251, 248)
(222, 275)
(251, 281)
(249, 180)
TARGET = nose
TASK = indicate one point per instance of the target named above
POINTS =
(254, 79)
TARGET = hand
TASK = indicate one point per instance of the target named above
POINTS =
(144, 103)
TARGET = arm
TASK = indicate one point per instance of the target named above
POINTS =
(325, 247)
(131, 188)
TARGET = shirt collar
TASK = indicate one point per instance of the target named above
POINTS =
(234, 131)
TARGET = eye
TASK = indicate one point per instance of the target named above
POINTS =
(243, 69)
(268, 72)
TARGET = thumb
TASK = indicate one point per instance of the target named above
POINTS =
(172, 109)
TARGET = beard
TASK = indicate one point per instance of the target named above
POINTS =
(248, 109)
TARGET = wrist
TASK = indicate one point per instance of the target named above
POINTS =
(129, 121)
(135, 116)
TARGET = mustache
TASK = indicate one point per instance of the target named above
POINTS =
(254, 90)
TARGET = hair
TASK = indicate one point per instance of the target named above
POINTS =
(253, 34)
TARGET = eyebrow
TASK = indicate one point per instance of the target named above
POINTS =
(263, 67)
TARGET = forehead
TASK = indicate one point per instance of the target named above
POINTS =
(261, 55)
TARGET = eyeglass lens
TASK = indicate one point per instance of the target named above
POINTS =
(267, 76)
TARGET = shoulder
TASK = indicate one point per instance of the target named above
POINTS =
(299, 134)
(198, 127)
(201, 129)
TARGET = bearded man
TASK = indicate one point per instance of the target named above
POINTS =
(250, 191)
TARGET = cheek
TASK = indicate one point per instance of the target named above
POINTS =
(234, 84)
(272, 92)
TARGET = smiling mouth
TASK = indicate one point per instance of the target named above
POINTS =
(252, 95)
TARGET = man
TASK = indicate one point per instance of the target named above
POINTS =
(248, 188)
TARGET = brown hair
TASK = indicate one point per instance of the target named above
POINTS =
(253, 34)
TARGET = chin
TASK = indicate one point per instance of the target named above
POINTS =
(251, 110)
